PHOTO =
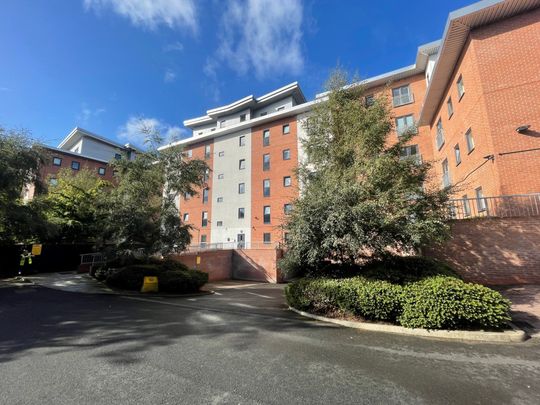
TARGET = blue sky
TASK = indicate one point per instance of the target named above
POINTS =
(103, 64)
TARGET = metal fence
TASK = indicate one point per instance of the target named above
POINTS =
(204, 247)
(518, 205)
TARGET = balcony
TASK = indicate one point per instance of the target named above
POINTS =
(506, 206)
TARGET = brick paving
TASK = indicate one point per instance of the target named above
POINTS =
(525, 304)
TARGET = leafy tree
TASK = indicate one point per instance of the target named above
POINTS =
(75, 205)
(141, 212)
(20, 163)
(360, 198)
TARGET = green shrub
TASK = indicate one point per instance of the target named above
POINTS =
(449, 303)
(370, 299)
(174, 278)
(406, 269)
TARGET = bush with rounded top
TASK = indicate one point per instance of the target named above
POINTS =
(449, 303)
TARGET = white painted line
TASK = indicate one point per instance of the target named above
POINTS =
(259, 295)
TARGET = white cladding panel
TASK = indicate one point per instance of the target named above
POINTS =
(98, 150)
(227, 166)
(286, 102)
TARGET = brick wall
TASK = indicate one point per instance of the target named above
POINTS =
(495, 251)
(256, 265)
(247, 264)
(217, 263)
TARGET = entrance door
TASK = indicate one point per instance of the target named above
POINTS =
(241, 240)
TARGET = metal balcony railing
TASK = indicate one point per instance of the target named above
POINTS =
(518, 205)
(204, 247)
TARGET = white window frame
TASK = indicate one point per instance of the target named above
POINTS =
(404, 97)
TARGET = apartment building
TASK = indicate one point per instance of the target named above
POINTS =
(81, 149)
(471, 96)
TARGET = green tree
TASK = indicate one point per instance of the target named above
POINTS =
(141, 210)
(360, 198)
(20, 163)
(75, 205)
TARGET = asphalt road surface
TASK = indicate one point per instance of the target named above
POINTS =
(240, 346)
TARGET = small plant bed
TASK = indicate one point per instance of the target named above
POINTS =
(411, 292)
(173, 277)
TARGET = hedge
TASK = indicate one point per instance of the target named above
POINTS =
(439, 302)
(447, 303)
(172, 277)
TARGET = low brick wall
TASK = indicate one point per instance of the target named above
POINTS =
(217, 263)
(256, 265)
(247, 264)
(494, 251)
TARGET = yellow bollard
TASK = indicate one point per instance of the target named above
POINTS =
(150, 284)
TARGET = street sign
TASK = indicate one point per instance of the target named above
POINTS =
(198, 259)
(36, 249)
(150, 284)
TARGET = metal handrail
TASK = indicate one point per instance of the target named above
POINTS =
(505, 206)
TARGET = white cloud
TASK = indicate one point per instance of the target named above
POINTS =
(87, 114)
(151, 13)
(174, 47)
(261, 35)
(135, 130)
(169, 76)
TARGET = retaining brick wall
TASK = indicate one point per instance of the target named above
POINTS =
(247, 264)
(495, 251)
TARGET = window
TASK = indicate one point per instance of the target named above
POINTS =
(242, 117)
(204, 221)
(401, 95)
(404, 124)
(220, 176)
(263, 114)
(186, 217)
(287, 208)
(53, 181)
(203, 240)
(75, 165)
(287, 181)
(241, 213)
(440, 134)
(266, 188)
(267, 238)
(266, 214)
(457, 154)
(408, 151)
(207, 151)
(206, 175)
(446, 173)
(205, 196)
(241, 164)
(480, 200)
(266, 137)
(470, 140)
(460, 87)
(369, 100)
(117, 156)
(219, 223)
(101, 171)
(241, 188)
(187, 196)
(57, 161)
(189, 153)
(466, 206)
(450, 107)
(221, 154)
(286, 154)
(220, 199)
(266, 162)
(286, 129)
(242, 140)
